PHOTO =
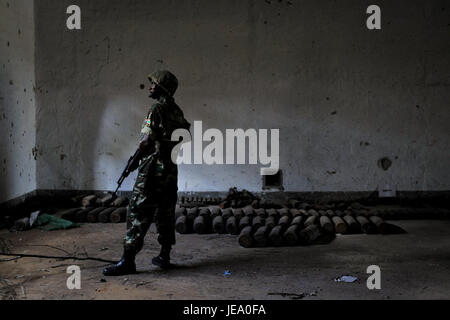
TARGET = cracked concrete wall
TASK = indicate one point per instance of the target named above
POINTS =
(17, 99)
(342, 96)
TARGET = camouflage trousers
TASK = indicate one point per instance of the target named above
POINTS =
(154, 199)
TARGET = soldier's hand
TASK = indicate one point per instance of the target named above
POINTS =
(143, 145)
(133, 165)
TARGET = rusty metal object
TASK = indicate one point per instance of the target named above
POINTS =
(219, 225)
(309, 234)
(311, 220)
(366, 226)
(89, 201)
(353, 225)
(181, 225)
(291, 235)
(81, 216)
(232, 226)
(339, 225)
(246, 238)
(104, 216)
(120, 202)
(92, 216)
(326, 224)
(119, 215)
(261, 236)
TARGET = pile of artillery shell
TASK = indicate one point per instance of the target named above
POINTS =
(103, 200)
(277, 227)
(259, 227)
(102, 208)
(190, 202)
(94, 215)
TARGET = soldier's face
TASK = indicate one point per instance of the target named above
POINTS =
(155, 91)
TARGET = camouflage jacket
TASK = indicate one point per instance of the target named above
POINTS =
(163, 118)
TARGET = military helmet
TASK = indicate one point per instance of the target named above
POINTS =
(166, 80)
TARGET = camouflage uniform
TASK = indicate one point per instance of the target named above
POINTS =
(155, 191)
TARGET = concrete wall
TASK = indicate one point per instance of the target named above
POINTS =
(342, 96)
(17, 99)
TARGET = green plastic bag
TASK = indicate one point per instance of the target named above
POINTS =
(51, 223)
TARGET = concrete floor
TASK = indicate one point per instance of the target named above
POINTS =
(413, 266)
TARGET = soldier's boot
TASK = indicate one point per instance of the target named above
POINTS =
(163, 260)
(125, 266)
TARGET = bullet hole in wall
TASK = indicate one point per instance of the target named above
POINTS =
(142, 86)
(334, 113)
(385, 163)
(34, 152)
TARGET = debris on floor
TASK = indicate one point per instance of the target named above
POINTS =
(239, 199)
(52, 223)
(347, 279)
(293, 296)
(34, 217)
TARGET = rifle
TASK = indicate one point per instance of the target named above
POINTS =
(130, 167)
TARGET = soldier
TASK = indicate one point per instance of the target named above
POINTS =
(155, 191)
